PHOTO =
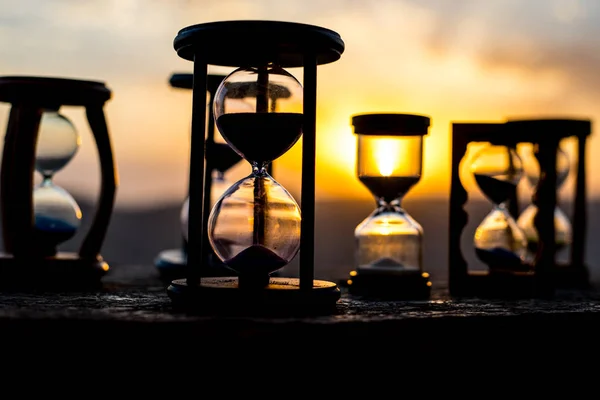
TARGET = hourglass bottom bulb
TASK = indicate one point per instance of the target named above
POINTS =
(57, 217)
(254, 265)
(562, 228)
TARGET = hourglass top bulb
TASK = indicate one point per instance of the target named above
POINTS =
(531, 166)
(249, 120)
(58, 142)
(497, 170)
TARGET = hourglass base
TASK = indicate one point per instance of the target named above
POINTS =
(64, 271)
(280, 296)
(171, 265)
(407, 285)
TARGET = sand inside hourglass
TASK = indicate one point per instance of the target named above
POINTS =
(389, 188)
(496, 188)
(497, 250)
(261, 137)
(256, 260)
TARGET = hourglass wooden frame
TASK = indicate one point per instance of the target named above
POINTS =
(234, 44)
(29, 97)
(546, 275)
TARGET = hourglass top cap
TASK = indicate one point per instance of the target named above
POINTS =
(52, 92)
(248, 42)
(537, 129)
(391, 124)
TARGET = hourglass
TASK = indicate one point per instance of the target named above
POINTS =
(562, 225)
(389, 241)
(37, 220)
(499, 242)
(256, 227)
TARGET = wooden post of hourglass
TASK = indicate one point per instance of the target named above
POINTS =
(26, 262)
(257, 43)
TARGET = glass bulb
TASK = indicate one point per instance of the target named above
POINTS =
(255, 232)
(57, 143)
(258, 105)
(57, 215)
(389, 241)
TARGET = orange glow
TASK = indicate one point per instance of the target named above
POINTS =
(385, 156)
(451, 78)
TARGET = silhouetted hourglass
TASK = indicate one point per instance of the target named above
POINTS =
(38, 219)
(562, 225)
(254, 228)
(498, 241)
(56, 213)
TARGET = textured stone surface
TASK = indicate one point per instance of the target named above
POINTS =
(134, 310)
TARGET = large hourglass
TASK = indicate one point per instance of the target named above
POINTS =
(38, 218)
(562, 225)
(389, 242)
(498, 241)
(256, 227)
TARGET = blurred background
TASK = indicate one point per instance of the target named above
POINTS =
(461, 61)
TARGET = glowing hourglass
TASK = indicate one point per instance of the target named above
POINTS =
(498, 241)
(254, 228)
(389, 242)
(562, 225)
(56, 213)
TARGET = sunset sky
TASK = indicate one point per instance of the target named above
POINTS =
(453, 60)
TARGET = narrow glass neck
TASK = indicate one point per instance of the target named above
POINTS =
(259, 169)
(46, 179)
(395, 205)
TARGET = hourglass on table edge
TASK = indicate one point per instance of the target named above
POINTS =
(220, 158)
(497, 168)
(37, 220)
(389, 242)
(256, 227)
